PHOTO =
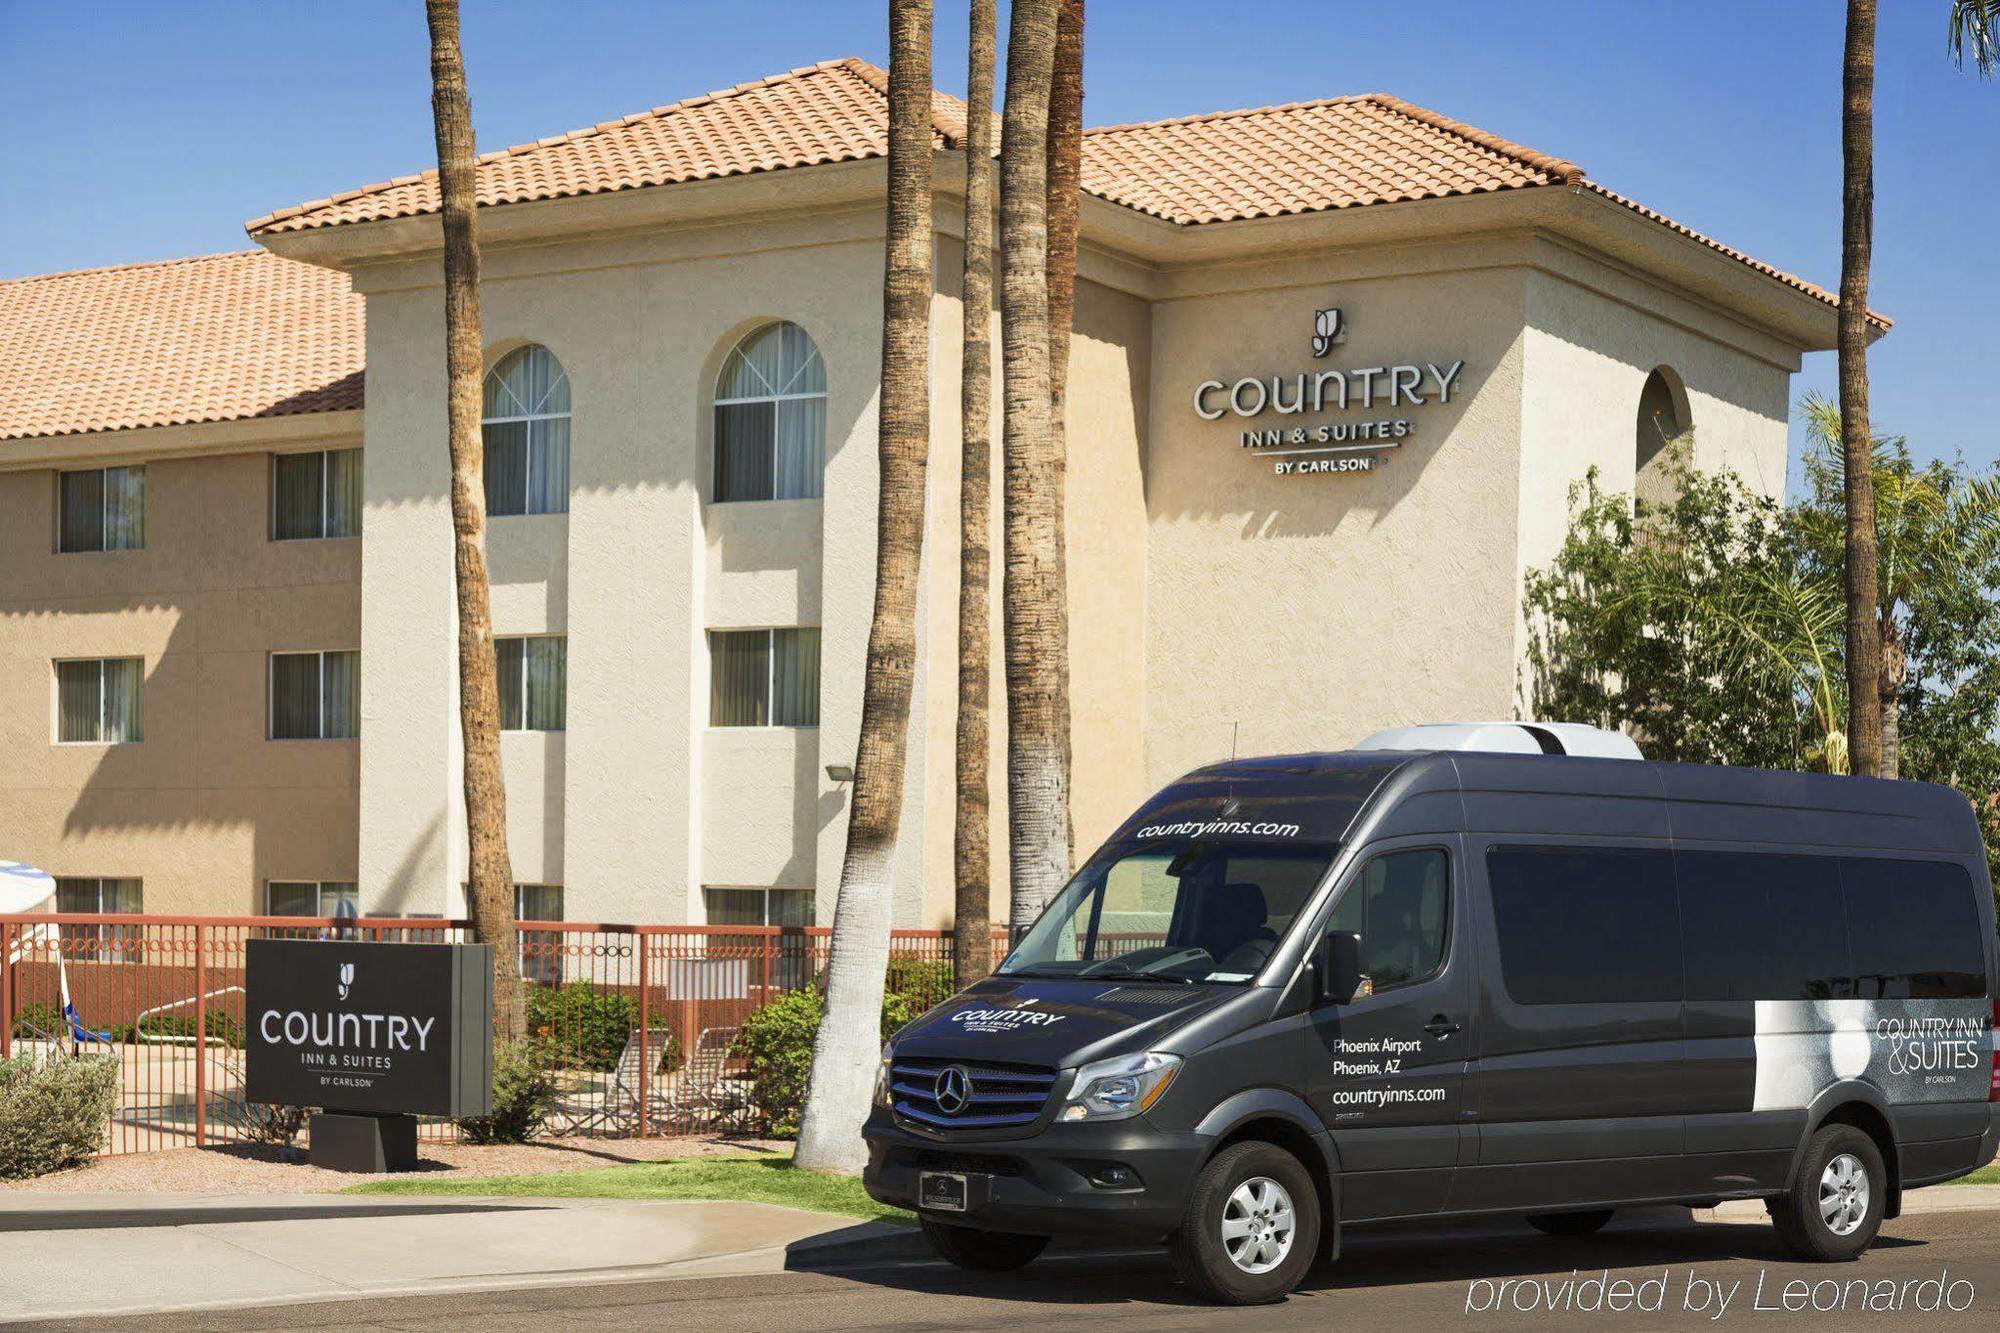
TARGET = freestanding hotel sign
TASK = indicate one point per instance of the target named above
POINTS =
(377, 1034)
(1388, 393)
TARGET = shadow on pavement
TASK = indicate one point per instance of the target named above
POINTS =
(93, 1219)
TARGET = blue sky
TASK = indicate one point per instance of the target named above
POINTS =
(134, 131)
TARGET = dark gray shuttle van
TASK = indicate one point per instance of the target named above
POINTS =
(1293, 994)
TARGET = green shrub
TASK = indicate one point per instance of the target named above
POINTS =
(38, 1021)
(523, 1095)
(222, 1027)
(53, 1112)
(777, 1042)
(923, 983)
(577, 1026)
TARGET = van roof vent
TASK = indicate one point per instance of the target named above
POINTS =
(1568, 738)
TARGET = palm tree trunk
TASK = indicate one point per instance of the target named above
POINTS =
(1895, 668)
(1037, 741)
(491, 877)
(844, 1054)
(1065, 168)
(972, 862)
(1857, 211)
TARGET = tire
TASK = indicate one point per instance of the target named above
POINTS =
(1251, 1190)
(1834, 1208)
(981, 1251)
(1570, 1224)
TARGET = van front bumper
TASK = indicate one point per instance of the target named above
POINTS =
(1060, 1182)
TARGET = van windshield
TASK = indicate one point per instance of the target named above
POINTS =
(1187, 911)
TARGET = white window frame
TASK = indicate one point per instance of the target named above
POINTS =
(104, 932)
(103, 509)
(528, 451)
(319, 894)
(319, 685)
(764, 892)
(55, 722)
(499, 639)
(325, 494)
(770, 633)
(744, 400)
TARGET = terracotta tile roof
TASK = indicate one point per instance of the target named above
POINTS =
(217, 338)
(831, 112)
(1229, 166)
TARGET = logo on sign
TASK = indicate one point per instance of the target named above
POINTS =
(953, 1089)
(1326, 331)
(346, 979)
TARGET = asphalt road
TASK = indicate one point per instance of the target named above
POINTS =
(1423, 1278)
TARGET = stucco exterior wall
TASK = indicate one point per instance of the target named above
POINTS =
(205, 809)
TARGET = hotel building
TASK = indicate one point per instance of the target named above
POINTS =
(1336, 367)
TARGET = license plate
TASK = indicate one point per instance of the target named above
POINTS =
(941, 1191)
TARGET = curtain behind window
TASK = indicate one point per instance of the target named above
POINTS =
(81, 523)
(743, 459)
(506, 467)
(340, 695)
(295, 696)
(124, 681)
(298, 485)
(292, 898)
(739, 678)
(343, 493)
(547, 667)
(124, 508)
(508, 657)
(795, 678)
(79, 703)
(801, 448)
(548, 466)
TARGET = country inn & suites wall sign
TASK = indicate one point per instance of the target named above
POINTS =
(1328, 446)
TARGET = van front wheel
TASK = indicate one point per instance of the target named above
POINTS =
(1834, 1208)
(982, 1251)
(1252, 1226)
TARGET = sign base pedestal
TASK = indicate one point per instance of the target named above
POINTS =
(367, 1143)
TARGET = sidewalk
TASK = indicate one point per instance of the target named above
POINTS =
(69, 1255)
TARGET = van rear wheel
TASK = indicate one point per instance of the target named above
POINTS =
(982, 1251)
(1251, 1229)
(1834, 1208)
(1570, 1224)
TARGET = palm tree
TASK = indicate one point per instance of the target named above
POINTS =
(1857, 215)
(491, 877)
(850, 1032)
(1065, 168)
(1975, 23)
(1031, 588)
(972, 862)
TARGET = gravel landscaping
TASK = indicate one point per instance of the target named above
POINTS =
(252, 1169)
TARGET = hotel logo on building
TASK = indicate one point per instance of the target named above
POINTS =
(1391, 392)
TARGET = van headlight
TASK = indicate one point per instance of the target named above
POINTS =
(883, 1097)
(1119, 1088)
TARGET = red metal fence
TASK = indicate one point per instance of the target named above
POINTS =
(636, 1022)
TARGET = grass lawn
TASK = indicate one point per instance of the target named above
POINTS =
(1985, 1175)
(751, 1179)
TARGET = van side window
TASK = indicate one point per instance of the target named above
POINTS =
(1763, 927)
(1586, 925)
(1399, 906)
(1914, 928)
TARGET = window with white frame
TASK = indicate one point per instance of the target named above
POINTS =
(310, 897)
(316, 696)
(534, 682)
(763, 677)
(526, 431)
(541, 950)
(104, 942)
(102, 509)
(100, 701)
(770, 418)
(316, 495)
(791, 965)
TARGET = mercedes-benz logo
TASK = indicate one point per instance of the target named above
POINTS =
(953, 1089)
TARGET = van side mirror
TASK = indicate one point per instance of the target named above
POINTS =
(1337, 966)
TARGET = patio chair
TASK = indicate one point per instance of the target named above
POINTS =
(703, 1089)
(614, 1107)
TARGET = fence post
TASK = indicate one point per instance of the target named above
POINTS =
(201, 1036)
(645, 1028)
(6, 989)
(765, 943)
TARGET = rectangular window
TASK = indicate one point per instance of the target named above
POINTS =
(541, 950)
(106, 942)
(316, 495)
(315, 696)
(792, 961)
(1914, 928)
(527, 466)
(1763, 927)
(103, 509)
(310, 897)
(534, 682)
(99, 701)
(1399, 907)
(1586, 925)
(764, 677)
(770, 449)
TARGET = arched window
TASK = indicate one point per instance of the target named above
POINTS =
(770, 418)
(1662, 420)
(526, 429)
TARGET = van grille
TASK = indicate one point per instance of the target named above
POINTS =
(998, 1096)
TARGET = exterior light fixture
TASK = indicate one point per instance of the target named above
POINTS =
(840, 772)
